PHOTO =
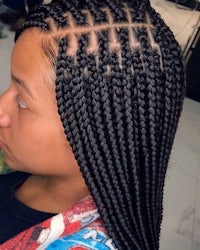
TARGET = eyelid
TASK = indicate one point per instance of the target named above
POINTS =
(22, 84)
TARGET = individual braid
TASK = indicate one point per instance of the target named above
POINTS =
(111, 134)
(129, 126)
(94, 8)
(147, 133)
(174, 78)
(147, 119)
(119, 103)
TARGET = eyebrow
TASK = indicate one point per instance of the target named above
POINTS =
(21, 83)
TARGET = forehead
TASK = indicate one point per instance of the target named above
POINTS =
(28, 57)
(28, 45)
(27, 38)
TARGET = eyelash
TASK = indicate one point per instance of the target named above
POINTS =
(20, 103)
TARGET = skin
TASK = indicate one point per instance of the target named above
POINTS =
(31, 133)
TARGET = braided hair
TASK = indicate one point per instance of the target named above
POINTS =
(120, 85)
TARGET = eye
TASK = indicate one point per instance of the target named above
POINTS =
(20, 102)
(22, 105)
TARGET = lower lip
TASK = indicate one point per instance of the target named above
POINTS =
(2, 145)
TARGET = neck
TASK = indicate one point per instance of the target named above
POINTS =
(51, 194)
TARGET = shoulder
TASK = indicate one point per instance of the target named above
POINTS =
(87, 238)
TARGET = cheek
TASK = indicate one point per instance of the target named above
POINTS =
(48, 138)
(40, 148)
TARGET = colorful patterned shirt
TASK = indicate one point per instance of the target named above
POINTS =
(79, 228)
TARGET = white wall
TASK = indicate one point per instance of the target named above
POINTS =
(6, 45)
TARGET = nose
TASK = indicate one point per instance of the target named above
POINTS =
(5, 120)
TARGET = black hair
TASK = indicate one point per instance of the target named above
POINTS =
(119, 96)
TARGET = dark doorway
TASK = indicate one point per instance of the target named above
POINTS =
(192, 60)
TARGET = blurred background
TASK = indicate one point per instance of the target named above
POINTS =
(181, 223)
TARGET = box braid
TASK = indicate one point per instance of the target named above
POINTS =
(119, 96)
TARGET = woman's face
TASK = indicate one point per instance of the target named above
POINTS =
(31, 133)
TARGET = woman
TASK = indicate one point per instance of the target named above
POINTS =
(88, 123)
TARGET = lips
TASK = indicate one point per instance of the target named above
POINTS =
(2, 145)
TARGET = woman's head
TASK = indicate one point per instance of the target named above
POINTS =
(119, 84)
(31, 130)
